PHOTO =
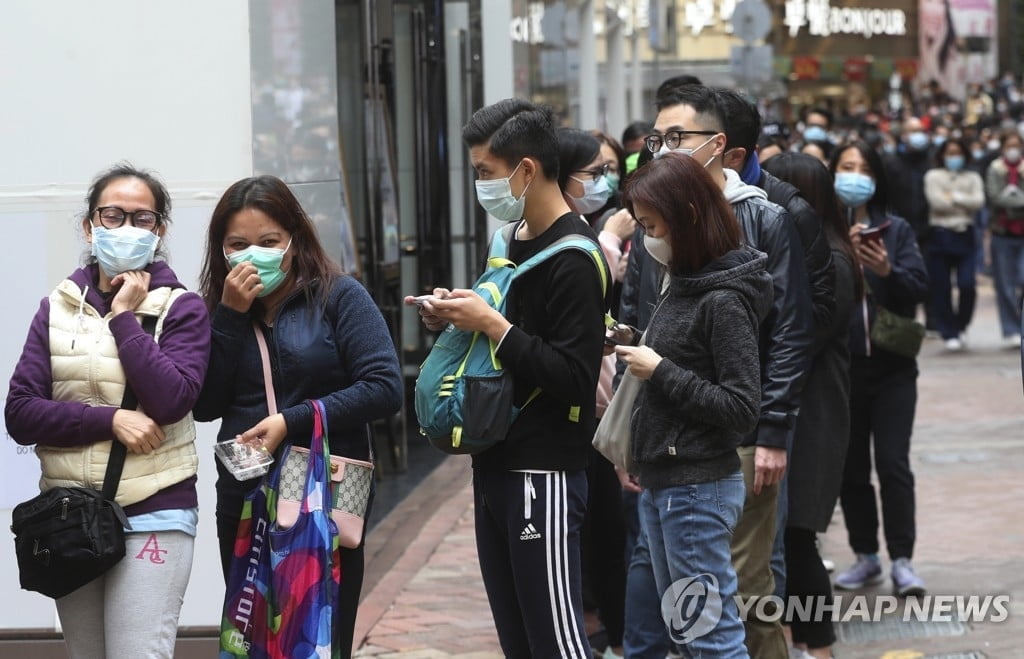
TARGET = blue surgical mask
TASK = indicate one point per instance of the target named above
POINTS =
(854, 189)
(888, 148)
(595, 195)
(123, 249)
(815, 133)
(918, 139)
(954, 163)
(977, 154)
(495, 196)
(268, 264)
(939, 140)
(612, 180)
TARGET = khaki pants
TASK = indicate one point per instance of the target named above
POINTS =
(752, 543)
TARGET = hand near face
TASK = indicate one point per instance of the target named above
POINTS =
(641, 360)
(134, 286)
(241, 287)
(621, 224)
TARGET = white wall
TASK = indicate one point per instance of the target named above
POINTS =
(83, 85)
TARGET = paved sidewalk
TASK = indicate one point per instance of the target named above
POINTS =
(427, 599)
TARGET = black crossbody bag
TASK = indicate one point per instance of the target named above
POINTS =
(67, 536)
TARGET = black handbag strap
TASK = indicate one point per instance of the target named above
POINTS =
(118, 451)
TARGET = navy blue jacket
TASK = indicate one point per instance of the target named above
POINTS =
(342, 355)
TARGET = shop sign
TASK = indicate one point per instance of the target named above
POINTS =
(699, 14)
(823, 20)
(907, 67)
(806, 68)
(856, 68)
(527, 29)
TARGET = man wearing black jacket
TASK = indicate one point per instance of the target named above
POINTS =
(690, 119)
(530, 491)
(742, 127)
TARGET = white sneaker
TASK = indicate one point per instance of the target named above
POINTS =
(954, 345)
(830, 566)
(1011, 342)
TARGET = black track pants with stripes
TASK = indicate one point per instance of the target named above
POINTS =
(528, 539)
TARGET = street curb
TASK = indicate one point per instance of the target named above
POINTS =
(403, 542)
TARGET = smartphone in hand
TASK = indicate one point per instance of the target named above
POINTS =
(874, 234)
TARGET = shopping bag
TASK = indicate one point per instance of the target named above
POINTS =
(292, 574)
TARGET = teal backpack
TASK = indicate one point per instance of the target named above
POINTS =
(463, 395)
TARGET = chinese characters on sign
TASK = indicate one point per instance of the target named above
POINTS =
(699, 14)
(822, 19)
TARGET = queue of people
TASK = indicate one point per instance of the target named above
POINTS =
(769, 307)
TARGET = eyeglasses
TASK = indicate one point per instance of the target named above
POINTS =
(595, 173)
(112, 217)
(673, 138)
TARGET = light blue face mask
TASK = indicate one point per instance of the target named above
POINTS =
(595, 195)
(123, 249)
(954, 163)
(918, 140)
(268, 264)
(495, 196)
(815, 133)
(613, 181)
(854, 189)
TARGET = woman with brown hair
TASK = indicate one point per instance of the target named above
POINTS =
(701, 392)
(266, 271)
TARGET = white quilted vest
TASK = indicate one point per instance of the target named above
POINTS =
(86, 369)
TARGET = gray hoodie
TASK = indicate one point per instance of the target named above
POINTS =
(705, 394)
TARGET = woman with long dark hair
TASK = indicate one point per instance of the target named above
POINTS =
(883, 379)
(701, 389)
(823, 427)
(266, 271)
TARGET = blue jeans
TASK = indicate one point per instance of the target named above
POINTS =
(950, 251)
(645, 636)
(689, 530)
(1008, 275)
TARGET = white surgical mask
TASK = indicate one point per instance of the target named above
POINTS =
(659, 249)
(495, 196)
(1012, 155)
(123, 249)
(685, 151)
(595, 195)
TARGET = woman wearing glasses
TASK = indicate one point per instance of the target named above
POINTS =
(85, 345)
(582, 174)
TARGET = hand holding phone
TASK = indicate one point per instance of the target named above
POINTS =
(421, 299)
(873, 235)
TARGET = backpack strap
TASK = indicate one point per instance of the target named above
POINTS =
(498, 257)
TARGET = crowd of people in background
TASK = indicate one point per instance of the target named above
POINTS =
(887, 218)
(767, 279)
